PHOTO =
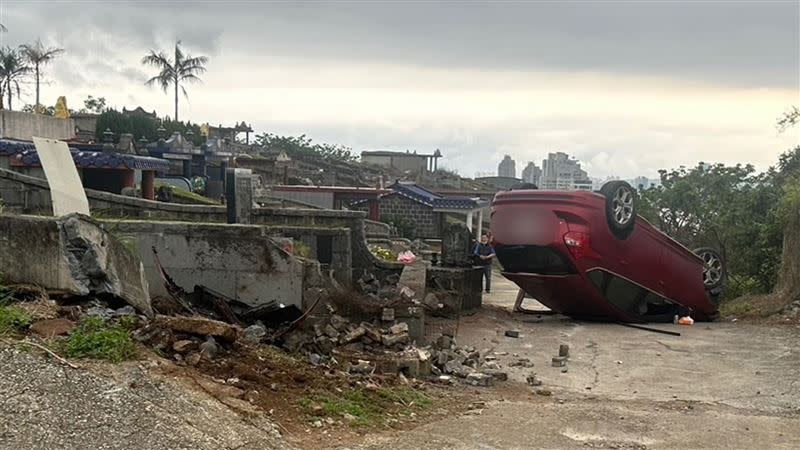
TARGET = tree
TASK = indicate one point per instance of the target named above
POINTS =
(789, 119)
(38, 55)
(303, 147)
(140, 126)
(94, 105)
(12, 69)
(175, 70)
(45, 110)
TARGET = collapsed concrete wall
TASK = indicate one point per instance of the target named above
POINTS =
(30, 195)
(72, 254)
(239, 261)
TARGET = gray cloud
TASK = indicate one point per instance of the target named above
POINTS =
(755, 43)
(749, 45)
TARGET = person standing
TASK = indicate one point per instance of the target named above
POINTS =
(485, 254)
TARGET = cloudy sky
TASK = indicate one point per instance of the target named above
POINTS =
(628, 87)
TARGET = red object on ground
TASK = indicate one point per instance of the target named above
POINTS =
(560, 248)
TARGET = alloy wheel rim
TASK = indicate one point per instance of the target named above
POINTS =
(712, 268)
(622, 205)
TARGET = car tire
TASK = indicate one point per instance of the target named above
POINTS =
(620, 207)
(714, 272)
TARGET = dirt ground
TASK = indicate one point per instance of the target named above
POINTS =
(718, 385)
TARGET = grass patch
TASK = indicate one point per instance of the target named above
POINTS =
(739, 309)
(13, 319)
(366, 408)
(187, 197)
(95, 338)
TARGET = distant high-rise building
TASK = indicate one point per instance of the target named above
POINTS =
(641, 183)
(561, 172)
(507, 168)
(531, 174)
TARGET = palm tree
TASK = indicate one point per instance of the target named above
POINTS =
(39, 55)
(12, 68)
(175, 70)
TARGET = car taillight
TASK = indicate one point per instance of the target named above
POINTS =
(579, 244)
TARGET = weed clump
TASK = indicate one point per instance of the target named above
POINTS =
(366, 408)
(13, 319)
(98, 339)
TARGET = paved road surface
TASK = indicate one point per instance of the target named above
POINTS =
(719, 385)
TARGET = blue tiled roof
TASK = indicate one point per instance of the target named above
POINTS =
(25, 152)
(434, 200)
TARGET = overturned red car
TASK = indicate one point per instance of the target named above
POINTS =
(590, 256)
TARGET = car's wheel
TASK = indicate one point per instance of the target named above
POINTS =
(620, 207)
(714, 274)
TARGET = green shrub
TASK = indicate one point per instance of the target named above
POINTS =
(13, 319)
(98, 339)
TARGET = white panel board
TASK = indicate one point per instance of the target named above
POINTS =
(66, 189)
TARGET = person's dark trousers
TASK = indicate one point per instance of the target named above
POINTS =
(487, 273)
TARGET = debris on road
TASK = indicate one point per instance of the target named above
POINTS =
(533, 380)
(686, 320)
(563, 350)
(512, 333)
(559, 361)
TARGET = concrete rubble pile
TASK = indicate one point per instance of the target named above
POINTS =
(391, 291)
(393, 347)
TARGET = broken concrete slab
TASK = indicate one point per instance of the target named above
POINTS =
(199, 326)
(353, 335)
(237, 261)
(497, 374)
(71, 254)
(533, 380)
(399, 328)
(414, 278)
(414, 318)
(362, 367)
(512, 333)
(394, 339)
(480, 379)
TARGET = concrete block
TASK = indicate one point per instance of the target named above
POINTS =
(512, 333)
(480, 379)
(73, 254)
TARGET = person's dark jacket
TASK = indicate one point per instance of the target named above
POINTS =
(483, 250)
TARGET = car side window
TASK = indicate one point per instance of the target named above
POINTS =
(628, 296)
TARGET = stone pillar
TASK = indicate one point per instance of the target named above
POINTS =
(469, 220)
(128, 178)
(480, 223)
(149, 184)
(223, 173)
(239, 195)
(374, 210)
